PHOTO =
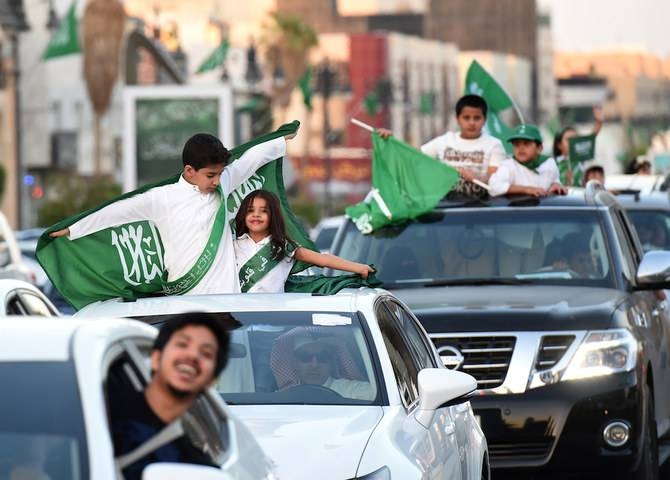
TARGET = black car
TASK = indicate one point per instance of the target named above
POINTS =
(553, 307)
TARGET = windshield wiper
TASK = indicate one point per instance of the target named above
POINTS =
(477, 281)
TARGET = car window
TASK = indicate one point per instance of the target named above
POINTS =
(543, 246)
(404, 360)
(417, 341)
(318, 358)
(42, 432)
(653, 228)
(324, 238)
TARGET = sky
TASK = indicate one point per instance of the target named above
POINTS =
(583, 25)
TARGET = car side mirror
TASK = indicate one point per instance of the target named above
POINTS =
(653, 273)
(441, 387)
(179, 471)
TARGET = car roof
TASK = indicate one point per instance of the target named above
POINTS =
(50, 339)
(644, 201)
(642, 183)
(347, 300)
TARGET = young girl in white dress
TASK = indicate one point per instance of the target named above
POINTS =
(265, 254)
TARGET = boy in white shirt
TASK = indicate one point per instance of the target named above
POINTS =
(529, 172)
(473, 153)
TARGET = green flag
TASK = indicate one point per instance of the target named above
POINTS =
(479, 82)
(406, 183)
(216, 58)
(582, 148)
(306, 88)
(371, 103)
(65, 40)
(426, 102)
(110, 263)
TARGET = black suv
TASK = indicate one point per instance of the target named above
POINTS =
(552, 306)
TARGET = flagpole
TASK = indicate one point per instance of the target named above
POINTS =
(371, 129)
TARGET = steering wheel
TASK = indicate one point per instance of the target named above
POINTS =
(314, 389)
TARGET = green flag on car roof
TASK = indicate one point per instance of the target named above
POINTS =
(406, 183)
(126, 261)
(479, 82)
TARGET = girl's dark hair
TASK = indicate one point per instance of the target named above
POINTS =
(277, 225)
(558, 138)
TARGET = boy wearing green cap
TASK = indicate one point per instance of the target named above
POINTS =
(529, 172)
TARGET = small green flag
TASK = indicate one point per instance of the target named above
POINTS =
(406, 183)
(65, 40)
(582, 148)
(306, 88)
(479, 82)
(426, 103)
(216, 58)
(371, 103)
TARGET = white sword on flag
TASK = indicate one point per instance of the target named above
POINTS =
(371, 129)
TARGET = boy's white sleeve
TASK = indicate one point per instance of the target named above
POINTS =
(548, 173)
(433, 147)
(244, 167)
(496, 155)
(134, 209)
(501, 180)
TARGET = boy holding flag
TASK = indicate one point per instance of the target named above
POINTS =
(528, 172)
(190, 214)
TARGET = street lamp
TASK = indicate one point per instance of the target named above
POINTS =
(326, 80)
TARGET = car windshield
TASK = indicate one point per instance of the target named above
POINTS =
(653, 228)
(325, 237)
(305, 358)
(41, 425)
(466, 247)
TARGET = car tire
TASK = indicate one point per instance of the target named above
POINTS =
(648, 466)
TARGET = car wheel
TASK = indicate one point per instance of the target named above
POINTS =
(648, 467)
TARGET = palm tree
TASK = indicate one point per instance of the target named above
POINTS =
(287, 40)
(103, 23)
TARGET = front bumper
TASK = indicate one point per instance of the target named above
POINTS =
(558, 428)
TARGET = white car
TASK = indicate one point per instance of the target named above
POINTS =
(386, 407)
(324, 232)
(53, 418)
(23, 298)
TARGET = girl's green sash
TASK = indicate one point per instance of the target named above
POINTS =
(257, 267)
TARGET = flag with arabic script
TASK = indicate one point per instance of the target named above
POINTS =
(127, 261)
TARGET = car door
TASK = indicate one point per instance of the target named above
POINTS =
(435, 449)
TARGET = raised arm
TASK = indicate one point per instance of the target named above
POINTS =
(598, 117)
(254, 158)
(332, 261)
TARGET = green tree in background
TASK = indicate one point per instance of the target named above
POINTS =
(75, 194)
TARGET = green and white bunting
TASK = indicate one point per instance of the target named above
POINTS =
(406, 183)
(65, 40)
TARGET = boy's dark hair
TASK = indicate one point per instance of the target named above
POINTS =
(594, 169)
(277, 224)
(202, 150)
(215, 322)
(473, 101)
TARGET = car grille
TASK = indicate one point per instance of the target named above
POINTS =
(485, 358)
(508, 451)
(552, 349)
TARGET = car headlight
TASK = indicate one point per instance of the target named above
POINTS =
(382, 474)
(603, 353)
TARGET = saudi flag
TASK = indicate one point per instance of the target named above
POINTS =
(479, 82)
(581, 149)
(127, 261)
(406, 183)
(306, 88)
(216, 58)
(65, 40)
